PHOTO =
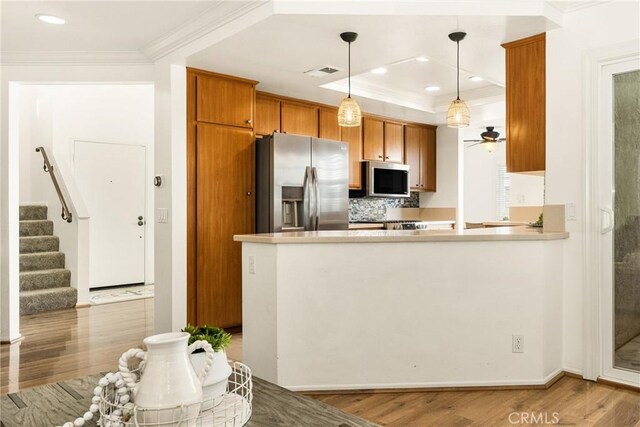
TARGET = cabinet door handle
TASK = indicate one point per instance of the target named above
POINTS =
(387, 157)
(248, 121)
(248, 193)
(379, 157)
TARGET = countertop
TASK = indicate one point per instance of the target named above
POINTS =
(366, 226)
(390, 236)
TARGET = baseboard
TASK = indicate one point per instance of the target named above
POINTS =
(13, 341)
(617, 384)
(545, 383)
(83, 305)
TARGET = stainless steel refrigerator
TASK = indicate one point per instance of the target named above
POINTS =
(302, 184)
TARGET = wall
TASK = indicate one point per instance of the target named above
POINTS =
(11, 79)
(526, 190)
(120, 114)
(446, 195)
(567, 126)
(480, 177)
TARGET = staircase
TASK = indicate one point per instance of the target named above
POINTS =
(45, 285)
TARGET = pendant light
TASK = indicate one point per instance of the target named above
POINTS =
(349, 114)
(458, 113)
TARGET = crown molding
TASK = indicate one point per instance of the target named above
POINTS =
(218, 15)
(74, 58)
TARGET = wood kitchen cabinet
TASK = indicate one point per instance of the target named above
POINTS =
(373, 139)
(298, 118)
(383, 140)
(220, 194)
(328, 124)
(353, 136)
(525, 96)
(267, 115)
(393, 142)
(420, 155)
(224, 100)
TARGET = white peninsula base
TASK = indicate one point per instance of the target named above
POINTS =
(402, 314)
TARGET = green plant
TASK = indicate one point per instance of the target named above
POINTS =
(217, 337)
(540, 220)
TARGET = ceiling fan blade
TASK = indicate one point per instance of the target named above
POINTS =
(473, 140)
(473, 145)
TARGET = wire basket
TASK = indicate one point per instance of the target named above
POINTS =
(233, 409)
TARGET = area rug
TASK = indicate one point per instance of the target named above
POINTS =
(119, 294)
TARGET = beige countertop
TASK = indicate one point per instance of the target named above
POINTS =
(391, 236)
(366, 226)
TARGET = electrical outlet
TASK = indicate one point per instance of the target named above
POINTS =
(517, 343)
(570, 210)
(252, 264)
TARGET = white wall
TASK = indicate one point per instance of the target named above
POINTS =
(446, 195)
(600, 26)
(11, 78)
(480, 176)
(526, 190)
(61, 114)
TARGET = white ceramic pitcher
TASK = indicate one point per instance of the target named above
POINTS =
(169, 391)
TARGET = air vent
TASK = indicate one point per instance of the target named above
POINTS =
(322, 71)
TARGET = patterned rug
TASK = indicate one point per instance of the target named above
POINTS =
(119, 294)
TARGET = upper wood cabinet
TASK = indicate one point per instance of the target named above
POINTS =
(420, 155)
(225, 100)
(525, 95)
(373, 139)
(383, 141)
(299, 119)
(353, 136)
(328, 124)
(267, 115)
(393, 142)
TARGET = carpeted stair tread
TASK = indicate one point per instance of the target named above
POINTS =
(31, 212)
(40, 300)
(34, 244)
(44, 279)
(41, 261)
(37, 227)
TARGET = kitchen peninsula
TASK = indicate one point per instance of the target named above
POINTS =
(365, 309)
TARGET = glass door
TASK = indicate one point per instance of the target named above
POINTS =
(619, 153)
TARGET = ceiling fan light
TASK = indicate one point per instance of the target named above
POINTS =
(349, 114)
(489, 146)
(458, 114)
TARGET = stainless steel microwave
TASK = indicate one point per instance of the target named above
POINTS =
(385, 179)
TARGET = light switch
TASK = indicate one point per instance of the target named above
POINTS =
(163, 215)
(571, 211)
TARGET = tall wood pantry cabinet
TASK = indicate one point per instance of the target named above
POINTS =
(220, 204)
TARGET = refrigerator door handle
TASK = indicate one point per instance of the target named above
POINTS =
(316, 191)
(306, 203)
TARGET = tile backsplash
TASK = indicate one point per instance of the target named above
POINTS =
(375, 208)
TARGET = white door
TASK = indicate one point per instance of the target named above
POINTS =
(619, 204)
(111, 179)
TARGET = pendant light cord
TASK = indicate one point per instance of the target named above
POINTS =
(458, 68)
(349, 67)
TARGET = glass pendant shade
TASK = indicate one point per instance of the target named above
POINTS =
(458, 114)
(349, 114)
(489, 146)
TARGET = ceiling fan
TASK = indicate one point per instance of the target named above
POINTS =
(489, 140)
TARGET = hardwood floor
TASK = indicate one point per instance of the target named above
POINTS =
(73, 343)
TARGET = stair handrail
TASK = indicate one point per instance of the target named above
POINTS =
(66, 213)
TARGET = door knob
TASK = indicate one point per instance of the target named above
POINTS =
(140, 223)
(140, 218)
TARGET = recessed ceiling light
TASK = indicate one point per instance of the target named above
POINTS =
(379, 70)
(432, 88)
(422, 59)
(51, 19)
(476, 78)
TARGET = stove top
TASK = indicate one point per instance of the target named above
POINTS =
(411, 224)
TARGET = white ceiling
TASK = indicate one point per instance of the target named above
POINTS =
(293, 36)
(278, 50)
(92, 25)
